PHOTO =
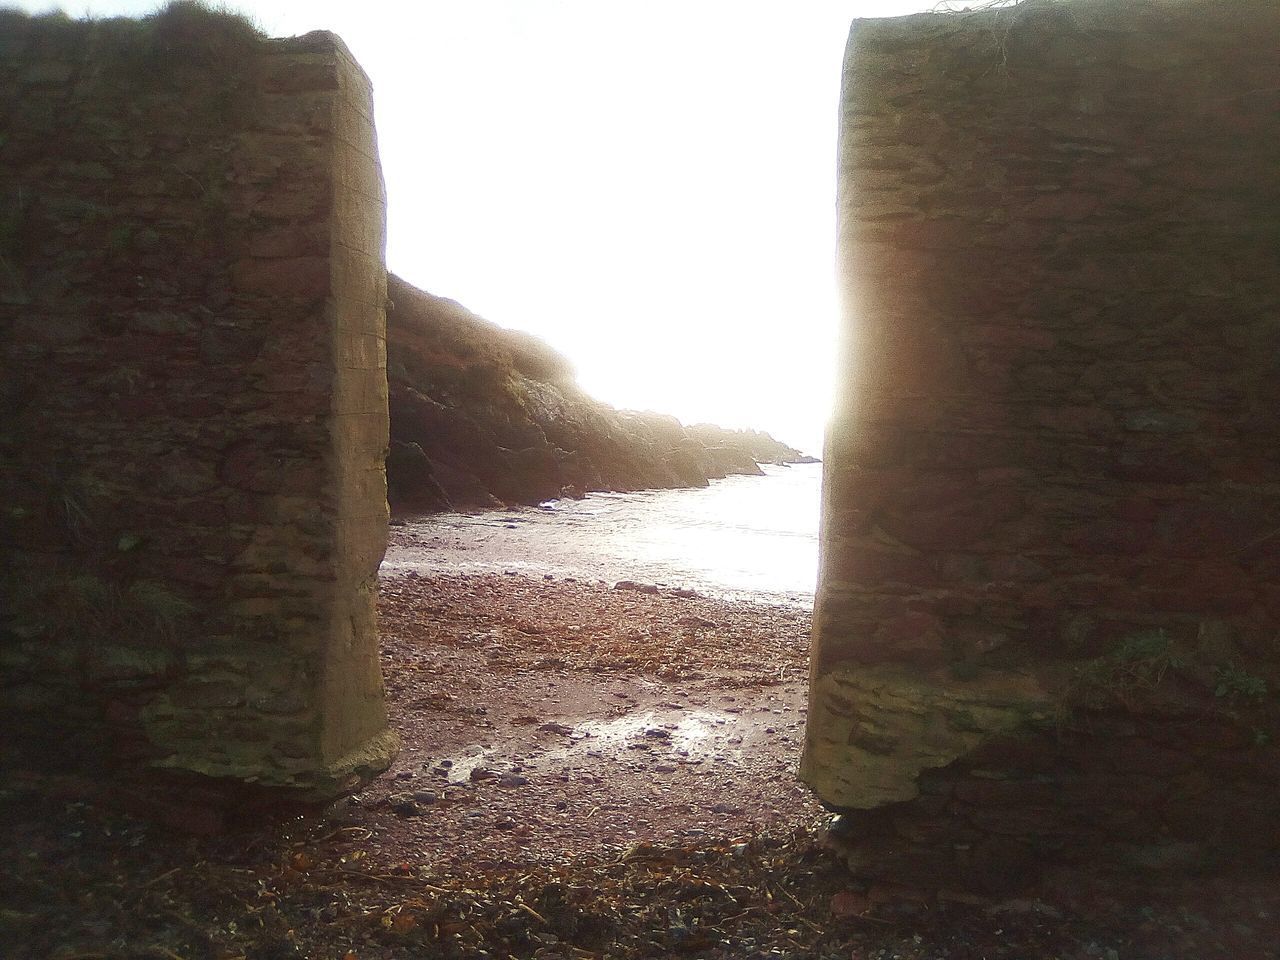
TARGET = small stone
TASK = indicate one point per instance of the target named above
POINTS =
(665, 768)
(637, 587)
(724, 808)
(405, 775)
(426, 797)
(481, 773)
(696, 622)
(506, 823)
(848, 903)
(445, 763)
(403, 805)
(513, 780)
(657, 733)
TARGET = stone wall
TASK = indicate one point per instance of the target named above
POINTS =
(1048, 616)
(193, 410)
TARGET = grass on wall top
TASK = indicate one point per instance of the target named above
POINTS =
(184, 33)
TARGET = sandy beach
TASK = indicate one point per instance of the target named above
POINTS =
(547, 719)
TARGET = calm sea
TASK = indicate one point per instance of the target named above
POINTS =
(741, 538)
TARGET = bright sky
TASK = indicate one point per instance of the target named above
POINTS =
(647, 185)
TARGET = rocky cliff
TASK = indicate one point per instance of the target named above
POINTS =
(485, 416)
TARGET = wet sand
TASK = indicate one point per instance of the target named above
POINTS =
(742, 538)
(545, 719)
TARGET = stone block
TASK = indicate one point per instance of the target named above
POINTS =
(303, 278)
(188, 399)
(300, 73)
(295, 241)
(1057, 431)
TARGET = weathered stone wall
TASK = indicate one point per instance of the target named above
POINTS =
(193, 409)
(1048, 611)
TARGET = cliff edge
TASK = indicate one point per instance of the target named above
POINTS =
(483, 416)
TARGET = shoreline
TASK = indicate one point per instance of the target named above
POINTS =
(740, 540)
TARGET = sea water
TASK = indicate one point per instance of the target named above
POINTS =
(741, 538)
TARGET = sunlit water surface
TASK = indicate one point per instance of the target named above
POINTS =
(742, 538)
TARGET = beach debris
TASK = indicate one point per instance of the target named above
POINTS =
(404, 805)
(637, 587)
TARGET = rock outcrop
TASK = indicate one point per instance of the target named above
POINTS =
(482, 416)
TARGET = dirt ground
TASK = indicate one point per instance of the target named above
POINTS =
(587, 772)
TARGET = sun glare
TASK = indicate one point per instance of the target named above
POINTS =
(647, 188)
